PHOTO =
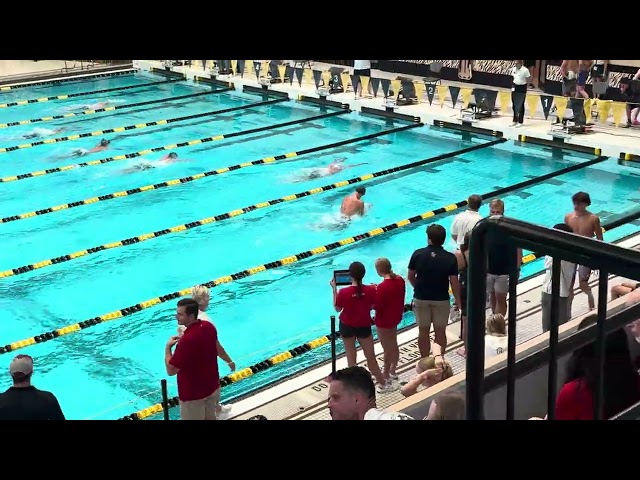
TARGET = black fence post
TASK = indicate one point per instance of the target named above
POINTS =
(333, 344)
(165, 399)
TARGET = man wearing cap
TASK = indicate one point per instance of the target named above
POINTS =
(23, 401)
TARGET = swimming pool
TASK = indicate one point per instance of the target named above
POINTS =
(267, 313)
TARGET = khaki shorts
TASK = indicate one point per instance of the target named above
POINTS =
(498, 284)
(431, 311)
(204, 409)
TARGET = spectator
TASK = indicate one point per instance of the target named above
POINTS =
(389, 307)
(495, 341)
(352, 396)
(462, 256)
(498, 257)
(520, 78)
(431, 270)
(621, 382)
(195, 361)
(202, 295)
(624, 288)
(430, 371)
(447, 406)
(465, 221)
(23, 401)
(355, 303)
(567, 273)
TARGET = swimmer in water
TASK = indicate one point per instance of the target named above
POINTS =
(169, 159)
(43, 132)
(334, 167)
(94, 106)
(103, 145)
(353, 204)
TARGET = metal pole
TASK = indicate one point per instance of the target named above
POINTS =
(333, 344)
(476, 304)
(165, 399)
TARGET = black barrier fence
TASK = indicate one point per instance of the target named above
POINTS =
(561, 246)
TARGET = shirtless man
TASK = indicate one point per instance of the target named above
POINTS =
(43, 132)
(169, 159)
(334, 167)
(569, 71)
(353, 205)
(587, 224)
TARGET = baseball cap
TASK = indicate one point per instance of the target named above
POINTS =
(22, 365)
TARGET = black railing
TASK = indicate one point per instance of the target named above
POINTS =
(606, 258)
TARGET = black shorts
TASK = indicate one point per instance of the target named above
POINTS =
(347, 331)
(363, 73)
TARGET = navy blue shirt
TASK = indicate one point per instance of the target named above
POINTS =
(433, 267)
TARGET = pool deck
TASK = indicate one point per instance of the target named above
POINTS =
(304, 396)
(18, 72)
(610, 139)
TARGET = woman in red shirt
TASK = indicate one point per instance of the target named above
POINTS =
(355, 303)
(389, 307)
(621, 382)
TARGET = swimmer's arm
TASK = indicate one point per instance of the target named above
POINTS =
(361, 207)
(597, 228)
(566, 219)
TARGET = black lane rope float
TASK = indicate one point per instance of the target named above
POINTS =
(241, 211)
(128, 156)
(138, 126)
(178, 181)
(109, 109)
(84, 94)
(66, 80)
(123, 312)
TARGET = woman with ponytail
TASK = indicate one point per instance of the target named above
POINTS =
(355, 303)
(389, 308)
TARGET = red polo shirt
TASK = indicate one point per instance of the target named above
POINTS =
(356, 311)
(390, 302)
(196, 355)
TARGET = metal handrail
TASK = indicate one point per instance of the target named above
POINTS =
(560, 245)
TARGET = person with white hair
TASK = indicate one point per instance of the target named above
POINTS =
(23, 401)
(202, 295)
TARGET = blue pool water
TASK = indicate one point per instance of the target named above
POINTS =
(114, 369)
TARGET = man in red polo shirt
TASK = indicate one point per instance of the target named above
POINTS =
(195, 361)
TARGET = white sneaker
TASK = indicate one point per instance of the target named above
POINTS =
(224, 413)
(518, 125)
(388, 387)
(513, 124)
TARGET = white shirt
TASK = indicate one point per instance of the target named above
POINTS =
(567, 270)
(520, 75)
(495, 345)
(599, 62)
(464, 223)
(375, 414)
(361, 64)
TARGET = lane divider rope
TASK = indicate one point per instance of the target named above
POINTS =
(66, 80)
(84, 94)
(180, 181)
(138, 126)
(117, 314)
(147, 151)
(235, 213)
(108, 109)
